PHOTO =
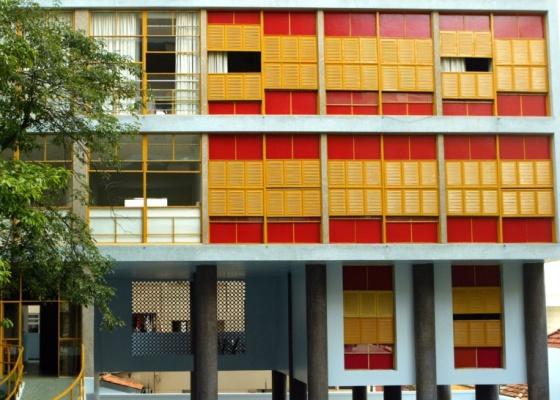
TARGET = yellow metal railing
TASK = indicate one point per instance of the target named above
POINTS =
(12, 370)
(76, 391)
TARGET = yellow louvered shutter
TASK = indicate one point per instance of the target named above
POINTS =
(465, 41)
(309, 79)
(429, 173)
(275, 203)
(311, 171)
(545, 203)
(217, 174)
(407, 78)
(372, 173)
(273, 76)
(368, 304)
(337, 202)
(290, 76)
(293, 173)
(424, 51)
(272, 49)
(355, 175)
(460, 300)
(504, 76)
(450, 85)
(355, 202)
(411, 173)
(520, 51)
(394, 202)
(454, 202)
(373, 202)
(234, 37)
(369, 77)
(351, 303)
(369, 332)
(509, 203)
(537, 52)
(543, 170)
(448, 44)
(389, 78)
(236, 174)
(411, 202)
(274, 173)
(471, 173)
(424, 79)
(216, 38)
(406, 51)
(468, 85)
(429, 202)
(294, 203)
(252, 87)
(386, 330)
(509, 173)
(460, 333)
(472, 202)
(539, 79)
(453, 173)
(336, 173)
(504, 54)
(333, 75)
(333, 50)
(368, 48)
(484, 85)
(476, 300)
(477, 333)
(252, 37)
(290, 49)
(352, 331)
(482, 44)
(493, 333)
(308, 49)
(521, 79)
(234, 87)
(490, 202)
(255, 203)
(393, 172)
(236, 202)
(311, 203)
(350, 50)
(217, 202)
(216, 87)
(385, 305)
(351, 77)
(389, 51)
(489, 173)
(526, 173)
(493, 300)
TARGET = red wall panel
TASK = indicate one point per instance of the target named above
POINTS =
(391, 25)
(531, 27)
(356, 361)
(221, 107)
(511, 147)
(396, 147)
(342, 231)
(459, 230)
(221, 147)
(250, 233)
(307, 232)
(537, 148)
(340, 147)
(306, 146)
(514, 230)
(276, 23)
(456, 147)
(485, 230)
(424, 232)
(247, 17)
(451, 22)
(394, 109)
(304, 103)
(303, 23)
(422, 147)
(534, 105)
(505, 27)
(339, 110)
(220, 17)
(398, 232)
(489, 357)
(487, 275)
(452, 108)
(277, 103)
(363, 24)
(354, 278)
(380, 277)
(367, 147)
(337, 24)
(420, 109)
(279, 147)
(418, 26)
(480, 109)
(509, 105)
(247, 107)
(381, 361)
(465, 357)
(482, 148)
(249, 147)
(222, 232)
(279, 232)
(540, 230)
(463, 276)
(477, 22)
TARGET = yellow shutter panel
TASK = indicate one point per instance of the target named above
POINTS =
(333, 76)
(489, 173)
(355, 175)
(411, 202)
(448, 44)
(454, 202)
(453, 173)
(294, 203)
(521, 79)
(272, 76)
(539, 79)
(389, 78)
(333, 50)
(373, 202)
(236, 174)
(385, 304)
(485, 85)
(425, 78)
(252, 87)
(394, 202)
(350, 50)
(308, 49)
(369, 334)
(351, 77)
(290, 49)
(369, 77)
(274, 173)
(275, 203)
(424, 51)
(509, 203)
(545, 203)
(509, 173)
(468, 85)
(490, 202)
(389, 51)
(352, 332)
(406, 54)
(393, 173)
(429, 202)
(471, 173)
(476, 300)
(368, 304)
(351, 303)
(477, 333)
(493, 300)
(411, 173)
(493, 333)
(527, 204)
(543, 173)
(255, 203)
(217, 174)
(216, 38)
(336, 173)
(526, 173)
(290, 76)
(311, 203)
(407, 78)
(386, 331)
(234, 37)
(309, 79)
(472, 202)
(460, 300)
(460, 333)
(234, 87)
(293, 174)
(465, 41)
(504, 78)
(482, 44)
(504, 53)
(537, 52)
(520, 51)
(272, 49)
(252, 37)
(311, 173)
(429, 173)
(216, 87)
(450, 85)
(355, 202)
(372, 173)
(337, 202)
(368, 50)
(217, 202)
(236, 202)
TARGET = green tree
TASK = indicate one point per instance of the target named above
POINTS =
(57, 82)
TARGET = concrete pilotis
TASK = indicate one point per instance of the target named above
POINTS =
(359, 392)
(392, 393)
(206, 333)
(278, 385)
(317, 360)
(486, 392)
(444, 392)
(424, 331)
(536, 341)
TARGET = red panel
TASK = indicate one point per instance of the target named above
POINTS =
(339, 97)
(511, 147)
(380, 278)
(534, 106)
(505, 27)
(304, 103)
(487, 275)
(354, 278)
(279, 147)
(418, 26)
(250, 233)
(363, 24)
(220, 17)
(303, 23)
(489, 357)
(454, 108)
(247, 17)
(459, 230)
(308, 232)
(509, 105)
(450, 22)
(277, 103)
(483, 148)
(367, 147)
(537, 148)
(477, 22)
(396, 147)
(340, 147)
(420, 109)
(221, 147)
(280, 232)
(531, 27)
(394, 109)
(337, 24)
(248, 107)
(306, 146)
(462, 275)
(364, 98)
(249, 147)
(485, 230)
(339, 110)
(425, 232)
(381, 361)
(465, 357)
(222, 232)
(481, 109)
(423, 147)
(221, 107)
(456, 147)
(368, 231)
(539, 230)
(514, 230)
(341, 231)
(356, 361)
(391, 25)
(398, 232)
(276, 23)
(365, 110)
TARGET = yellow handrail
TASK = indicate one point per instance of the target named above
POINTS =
(12, 362)
(78, 383)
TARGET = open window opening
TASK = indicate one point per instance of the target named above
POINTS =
(467, 64)
(221, 62)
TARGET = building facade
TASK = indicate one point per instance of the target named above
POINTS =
(344, 193)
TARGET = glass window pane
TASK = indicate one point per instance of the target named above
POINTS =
(179, 189)
(160, 23)
(112, 189)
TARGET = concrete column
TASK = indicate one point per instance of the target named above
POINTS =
(298, 390)
(424, 331)
(486, 392)
(392, 393)
(536, 340)
(317, 360)
(359, 392)
(444, 392)
(206, 333)
(278, 385)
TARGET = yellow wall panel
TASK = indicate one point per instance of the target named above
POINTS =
(393, 173)
(489, 171)
(520, 51)
(450, 85)
(293, 200)
(509, 204)
(407, 78)
(333, 77)
(293, 174)
(493, 334)
(389, 51)
(351, 303)
(275, 203)
(355, 173)
(308, 49)
(311, 171)
(504, 80)
(429, 173)
(274, 173)
(460, 333)
(352, 334)
(254, 174)
(369, 77)
(429, 202)
(273, 76)
(236, 173)
(290, 49)
(255, 203)
(311, 203)
(504, 52)
(411, 202)
(411, 173)
(309, 78)
(234, 37)
(368, 303)
(490, 202)
(453, 176)
(472, 202)
(508, 173)
(351, 49)
(352, 77)
(333, 50)
(477, 333)
(369, 331)
(539, 79)
(252, 37)
(471, 173)
(455, 202)
(493, 300)
(545, 203)
(216, 37)
(385, 303)
(290, 76)
(521, 79)
(424, 49)
(393, 202)
(406, 51)
(424, 78)
(386, 333)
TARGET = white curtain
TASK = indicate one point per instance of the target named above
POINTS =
(217, 62)
(453, 64)
(187, 63)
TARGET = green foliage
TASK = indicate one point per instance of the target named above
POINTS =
(58, 82)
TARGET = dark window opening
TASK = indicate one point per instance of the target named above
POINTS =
(244, 61)
(477, 64)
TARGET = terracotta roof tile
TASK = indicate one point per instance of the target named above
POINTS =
(131, 383)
